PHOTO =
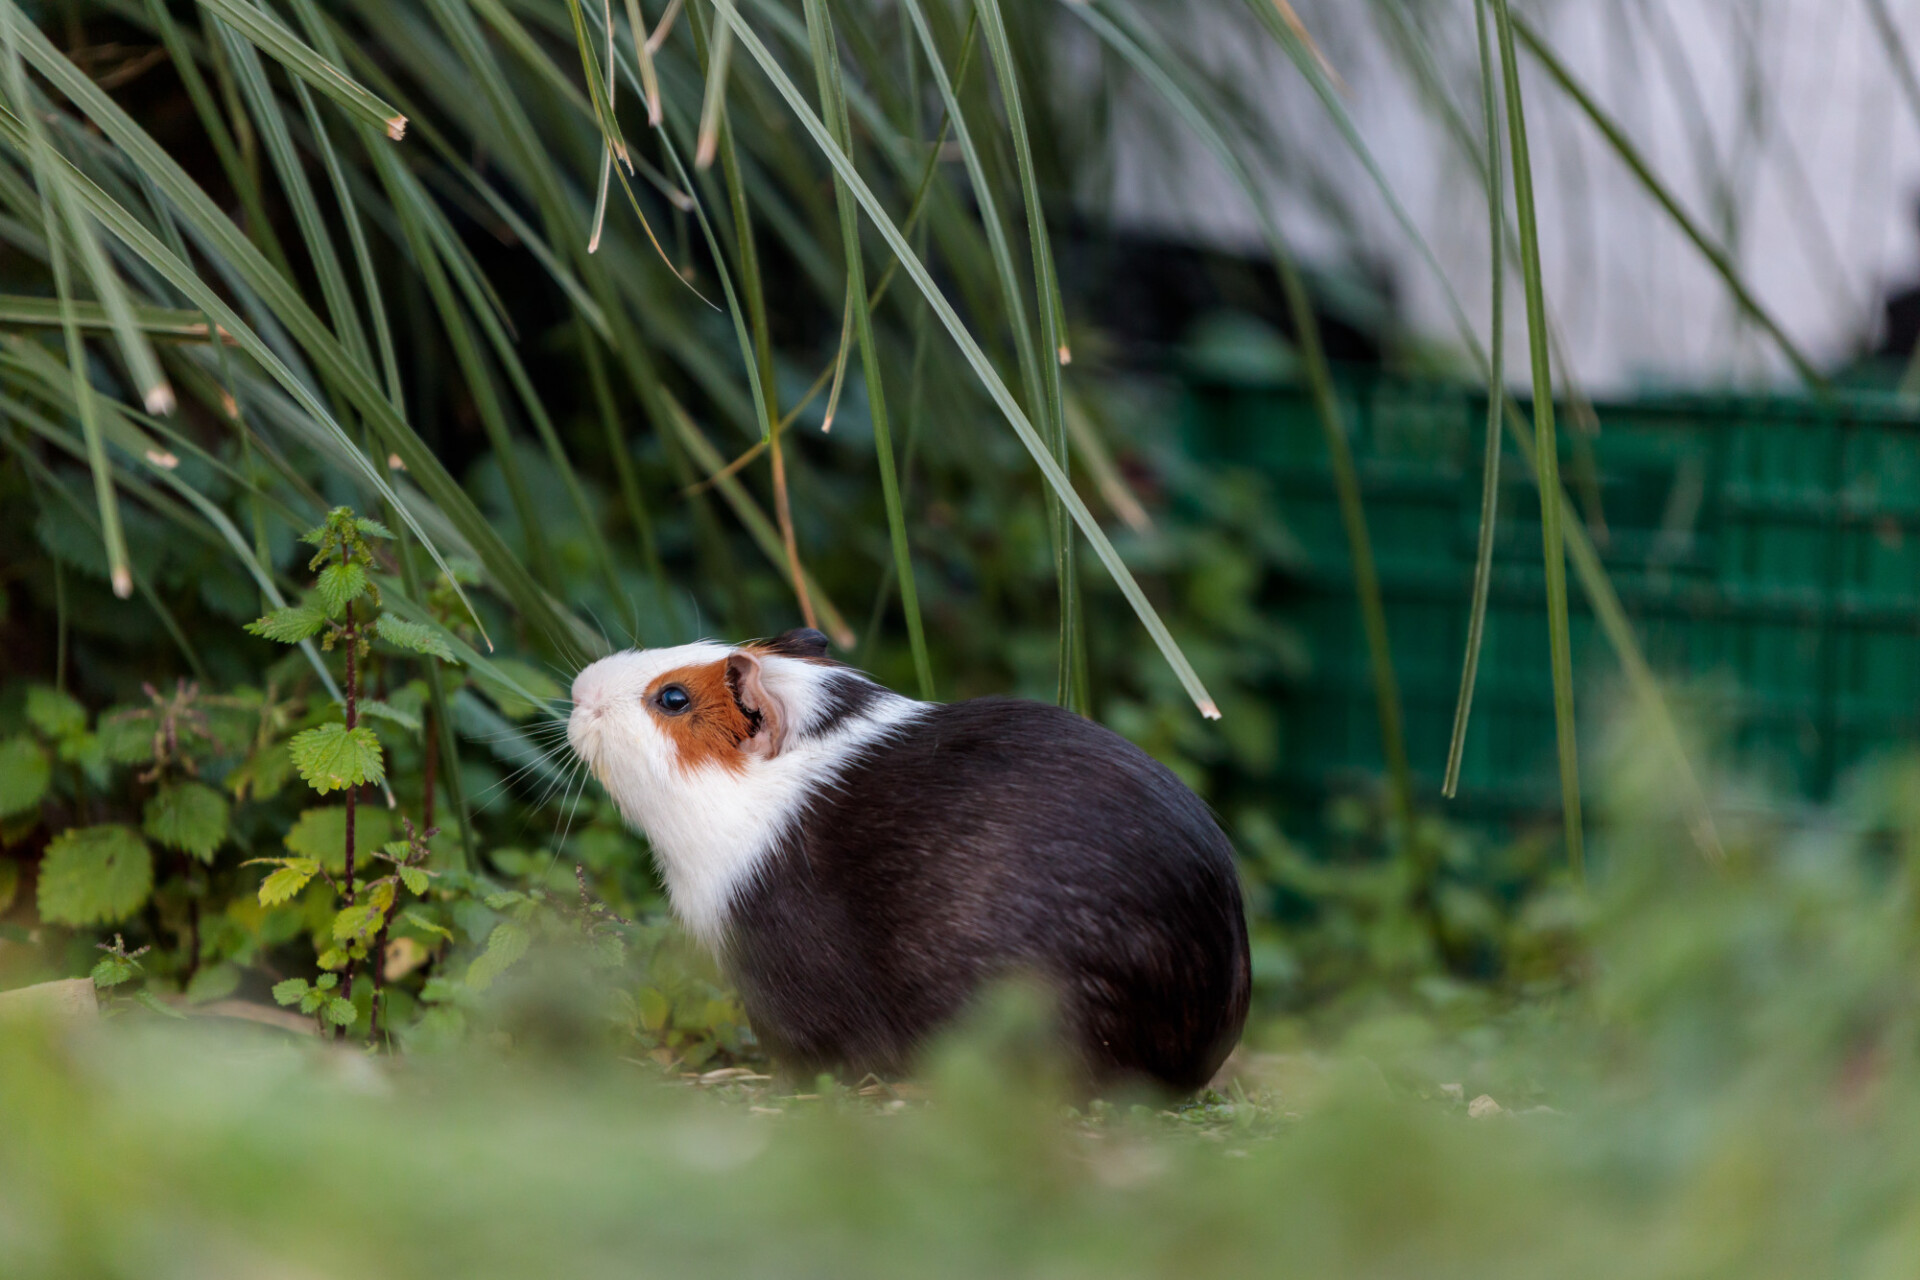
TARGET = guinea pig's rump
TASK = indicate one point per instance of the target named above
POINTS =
(989, 838)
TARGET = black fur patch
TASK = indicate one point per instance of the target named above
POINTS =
(843, 695)
(801, 642)
(989, 838)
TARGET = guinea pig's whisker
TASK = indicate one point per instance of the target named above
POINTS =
(540, 732)
(560, 840)
(598, 625)
(544, 758)
(563, 780)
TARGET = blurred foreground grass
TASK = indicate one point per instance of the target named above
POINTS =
(1728, 1089)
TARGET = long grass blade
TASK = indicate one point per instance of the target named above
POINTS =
(142, 366)
(754, 521)
(1598, 590)
(1030, 360)
(1346, 481)
(833, 107)
(272, 37)
(23, 312)
(1496, 399)
(1547, 448)
(59, 206)
(46, 480)
(1630, 156)
(218, 134)
(278, 295)
(981, 365)
(643, 57)
(1373, 618)
(287, 166)
(1073, 675)
(714, 103)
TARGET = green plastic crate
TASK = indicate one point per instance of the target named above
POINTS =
(1768, 545)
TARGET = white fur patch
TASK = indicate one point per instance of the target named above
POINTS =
(713, 829)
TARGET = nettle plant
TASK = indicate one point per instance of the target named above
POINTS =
(150, 825)
(345, 756)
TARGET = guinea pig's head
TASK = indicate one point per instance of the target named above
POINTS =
(658, 727)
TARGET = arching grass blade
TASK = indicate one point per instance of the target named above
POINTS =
(1547, 455)
(982, 367)
(1496, 400)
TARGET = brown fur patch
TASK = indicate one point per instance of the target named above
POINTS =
(712, 729)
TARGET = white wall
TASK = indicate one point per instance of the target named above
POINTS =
(1809, 133)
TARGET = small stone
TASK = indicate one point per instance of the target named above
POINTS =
(404, 955)
(71, 1000)
(1482, 1107)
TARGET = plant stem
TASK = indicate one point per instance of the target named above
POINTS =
(378, 959)
(351, 634)
(193, 920)
(433, 761)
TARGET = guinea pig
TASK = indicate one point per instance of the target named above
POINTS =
(863, 864)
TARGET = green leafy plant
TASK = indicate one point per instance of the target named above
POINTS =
(343, 609)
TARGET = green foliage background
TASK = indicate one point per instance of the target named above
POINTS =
(581, 365)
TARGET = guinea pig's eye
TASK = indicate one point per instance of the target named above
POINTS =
(673, 700)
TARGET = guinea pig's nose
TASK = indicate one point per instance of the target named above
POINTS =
(586, 690)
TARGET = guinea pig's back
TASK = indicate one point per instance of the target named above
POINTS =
(989, 836)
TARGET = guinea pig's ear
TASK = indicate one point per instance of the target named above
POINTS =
(766, 720)
(801, 642)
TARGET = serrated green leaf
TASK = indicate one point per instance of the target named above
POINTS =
(126, 735)
(513, 702)
(24, 774)
(327, 981)
(340, 585)
(340, 1012)
(370, 528)
(290, 625)
(410, 698)
(289, 991)
(111, 972)
(281, 885)
(607, 952)
(505, 946)
(55, 714)
(215, 982)
(88, 752)
(332, 958)
(321, 833)
(425, 925)
(311, 1002)
(384, 711)
(416, 637)
(654, 1009)
(505, 898)
(158, 1006)
(188, 816)
(357, 923)
(334, 757)
(95, 875)
(261, 775)
(437, 990)
(415, 880)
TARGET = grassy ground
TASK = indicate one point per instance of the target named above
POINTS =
(1728, 1089)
